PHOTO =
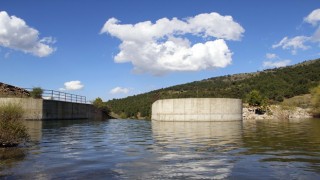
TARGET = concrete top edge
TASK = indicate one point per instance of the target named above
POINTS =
(199, 99)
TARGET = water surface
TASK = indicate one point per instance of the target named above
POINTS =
(134, 149)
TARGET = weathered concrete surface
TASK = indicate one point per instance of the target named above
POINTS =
(40, 109)
(197, 109)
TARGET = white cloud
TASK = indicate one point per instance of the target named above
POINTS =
(293, 44)
(313, 18)
(299, 42)
(72, 86)
(119, 90)
(160, 47)
(7, 55)
(316, 36)
(16, 34)
(276, 64)
(271, 56)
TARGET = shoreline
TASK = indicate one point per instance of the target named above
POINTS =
(276, 112)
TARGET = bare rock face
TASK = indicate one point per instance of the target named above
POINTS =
(7, 90)
(249, 113)
(276, 112)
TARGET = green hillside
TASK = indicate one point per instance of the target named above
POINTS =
(275, 84)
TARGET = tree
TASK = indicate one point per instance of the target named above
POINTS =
(315, 101)
(98, 103)
(254, 98)
(36, 92)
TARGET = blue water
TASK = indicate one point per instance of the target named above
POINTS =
(135, 149)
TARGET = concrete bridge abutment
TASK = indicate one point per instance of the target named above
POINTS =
(41, 109)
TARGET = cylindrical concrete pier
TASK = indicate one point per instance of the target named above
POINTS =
(197, 109)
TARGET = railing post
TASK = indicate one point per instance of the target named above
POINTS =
(57, 95)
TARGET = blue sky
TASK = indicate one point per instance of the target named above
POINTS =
(117, 48)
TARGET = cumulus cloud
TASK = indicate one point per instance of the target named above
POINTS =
(271, 56)
(313, 18)
(293, 44)
(276, 64)
(299, 42)
(72, 86)
(119, 90)
(163, 46)
(316, 36)
(16, 34)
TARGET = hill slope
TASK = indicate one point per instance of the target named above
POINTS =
(7, 90)
(275, 84)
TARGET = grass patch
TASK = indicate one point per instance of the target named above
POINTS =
(303, 101)
(12, 130)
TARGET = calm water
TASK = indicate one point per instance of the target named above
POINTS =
(132, 149)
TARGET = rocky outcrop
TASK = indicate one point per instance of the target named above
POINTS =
(7, 90)
(249, 113)
(276, 112)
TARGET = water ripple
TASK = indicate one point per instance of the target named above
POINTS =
(132, 149)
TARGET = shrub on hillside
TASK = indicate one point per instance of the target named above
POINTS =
(12, 131)
(36, 92)
(98, 103)
(254, 98)
(315, 101)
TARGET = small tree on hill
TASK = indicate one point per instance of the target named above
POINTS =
(315, 101)
(36, 92)
(254, 98)
(98, 103)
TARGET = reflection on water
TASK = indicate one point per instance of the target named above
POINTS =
(131, 149)
(9, 157)
(196, 150)
(284, 145)
(294, 135)
(207, 134)
(34, 130)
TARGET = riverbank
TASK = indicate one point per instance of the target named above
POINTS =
(276, 112)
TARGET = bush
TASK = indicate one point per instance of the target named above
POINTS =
(99, 104)
(123, 115)
(12, 131)
(36, 92)
(303, 101)
(254, 98)
(315, 101)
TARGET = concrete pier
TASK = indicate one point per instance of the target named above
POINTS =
(41, 109)
(197, 109)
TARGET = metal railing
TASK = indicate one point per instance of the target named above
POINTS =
(61, 96)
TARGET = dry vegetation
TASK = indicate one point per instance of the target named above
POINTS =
(303, 101)
(12, 130)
